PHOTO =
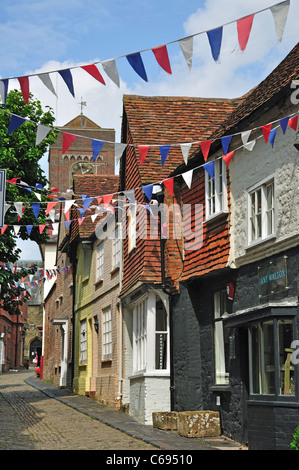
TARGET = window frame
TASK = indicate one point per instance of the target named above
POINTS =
(116, 248)
(100, 266)
(220, 335)
(107, 333)
(219, 185)
(132, 214)
(83, 341)
(263, 233)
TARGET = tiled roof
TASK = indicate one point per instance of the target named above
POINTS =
(166, 120)
(280, 78)
(91, 185)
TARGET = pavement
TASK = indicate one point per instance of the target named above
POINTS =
(163, 440)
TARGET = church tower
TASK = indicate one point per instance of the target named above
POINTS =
(79, 157)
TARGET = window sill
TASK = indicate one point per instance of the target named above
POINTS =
(114, 270)
(106, 363)
(258, 243)
(99, 282)
(216, 219)
(154, 373)
(220, 388)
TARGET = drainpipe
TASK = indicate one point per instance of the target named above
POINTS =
(120, 344)
(73, 324)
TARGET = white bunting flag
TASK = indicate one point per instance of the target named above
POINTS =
(185, 148)
(42, 132)
(110, 68)
(45, 78)
(187, 49)
(188, 178)
(280, 15)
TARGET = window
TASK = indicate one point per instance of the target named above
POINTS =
(132, 227)
(150, 336)
(116, 247)
(83, 342)
(221, 339)
(107, 333)
(270, 366)
(100, 261)
(261, 211)
(86, 262)
(216, 192)
(139, 333)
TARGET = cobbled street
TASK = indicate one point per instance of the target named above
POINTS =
(29, 420)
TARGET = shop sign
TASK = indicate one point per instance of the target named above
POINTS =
(273, 277)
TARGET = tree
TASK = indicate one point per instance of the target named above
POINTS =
(20, 156)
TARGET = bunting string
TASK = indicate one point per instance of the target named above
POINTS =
(279, 13)
(104, 201)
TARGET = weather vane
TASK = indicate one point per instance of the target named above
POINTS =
(82, 104)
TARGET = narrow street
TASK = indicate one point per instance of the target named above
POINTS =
(29, 420)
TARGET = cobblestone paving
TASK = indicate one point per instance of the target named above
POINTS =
(31, 420)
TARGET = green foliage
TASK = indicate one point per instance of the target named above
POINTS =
(295, 443)
(21, 158)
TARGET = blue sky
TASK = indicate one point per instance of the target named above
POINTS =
(44, 36)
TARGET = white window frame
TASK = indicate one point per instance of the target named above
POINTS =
(100, 262)
(263, 212)
(86, 262)
(216, 190)
(116, 247)
(221, 375)
(132, 227)
(144, 337)
(107, 333)
(83, 342)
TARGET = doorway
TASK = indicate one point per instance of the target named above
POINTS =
(35, 350)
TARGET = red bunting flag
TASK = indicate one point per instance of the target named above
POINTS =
(107, 199)
(68, 139)
(24, 83)
(3, 229)
(41, 228)
(162, 58)
(94, 72)
(143, 149)
(293, 122)
(244, 26)
(227, 158)
(50, 206)
(169, 185)
(205, 147)
(266, 131)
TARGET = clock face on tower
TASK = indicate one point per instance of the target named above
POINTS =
(82, 168)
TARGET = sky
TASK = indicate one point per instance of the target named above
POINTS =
(45, 36)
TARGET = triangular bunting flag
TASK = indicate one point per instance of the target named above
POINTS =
(164, 150)
(148, 191)
(272, 136)
(67, 224)
(130, 194)
(169, 183)
(135, 60)
(67, 77)
(15, 122)
(245, 136)
(42, 132)
(284, 123)
(3, 90)
(50, 206)
(110, 68)
(86, 203)
(225, 143)
(29, 228)
(244, 26)
(227, 158)
(68, 139)
(188, 178)
(119, 150)
(162, 58)
(16, 229)
(143, 150)
(19, 208)
(293, 122)
(205, 148)
(96, 148)
(41, 228)
(107, 199)
(185, 148)
(209, 167)
(45, 78)
(266, 131)
(94, 72)
(280, 15)
(35, 208)
(24, 83)
(186, 46)
(215, 39)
